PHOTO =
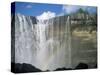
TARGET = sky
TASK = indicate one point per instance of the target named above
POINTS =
(43, 11)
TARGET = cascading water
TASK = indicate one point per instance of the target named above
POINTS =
(45, 44)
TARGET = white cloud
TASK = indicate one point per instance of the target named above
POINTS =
(28, 6)
(46, 15)
(69, 9)
(72, 8)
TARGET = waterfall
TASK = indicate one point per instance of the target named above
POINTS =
(45, 44)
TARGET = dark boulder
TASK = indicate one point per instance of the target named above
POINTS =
(82, 66)
(62, 69)
(23, 68)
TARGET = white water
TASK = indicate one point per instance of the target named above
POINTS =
(43, 45)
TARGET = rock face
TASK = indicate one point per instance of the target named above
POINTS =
(84, 26)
